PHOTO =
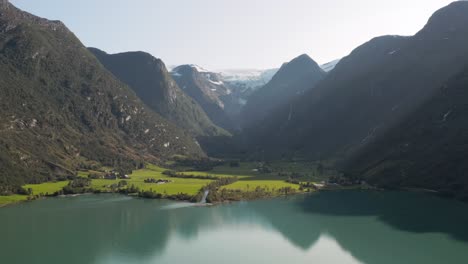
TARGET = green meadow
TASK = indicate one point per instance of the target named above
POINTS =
(250, 178)
(138, 177)
(45, 189)
(4, 200)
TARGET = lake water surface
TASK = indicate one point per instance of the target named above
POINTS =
(329, 227)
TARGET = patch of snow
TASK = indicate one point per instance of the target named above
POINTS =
(176, 74)
(166, 145)
(327, 67)
(446, 116)
(128, 118)
(370, 135)
(198, 68)
(88, 98)
(33, 123)
(290, 113)
(216, 83)
(214, 90)
(392, 52)
(147, 131)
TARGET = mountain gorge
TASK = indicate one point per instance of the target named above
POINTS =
(208, 90)
(61, 110)
(151, 81)
(243, 83)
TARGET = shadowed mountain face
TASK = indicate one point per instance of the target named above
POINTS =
(150, 80)
(60, 108)
(427, 149)
(207, 89)
(370, 90)
(291, 81)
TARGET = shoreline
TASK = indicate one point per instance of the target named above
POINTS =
(325, 188)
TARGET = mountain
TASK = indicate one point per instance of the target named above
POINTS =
(151, 81)
(291, 81)
(329, 66)
(427, 149)
(369, 91)
(61, 110)
(208, 90)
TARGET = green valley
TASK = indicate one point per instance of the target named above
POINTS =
(248, 180)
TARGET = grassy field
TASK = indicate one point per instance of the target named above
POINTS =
(4, 200)
(48, 188)
(250, 178)
(251, 185)
(137, 178)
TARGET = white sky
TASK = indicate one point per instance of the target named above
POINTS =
(235, 34)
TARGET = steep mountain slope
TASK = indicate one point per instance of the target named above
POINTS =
(370, 90)
(292, 80)
(207, 89)
(428, 149)
(151, 81)
(61, 110)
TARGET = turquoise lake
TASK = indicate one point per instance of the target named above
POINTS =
(329, 227)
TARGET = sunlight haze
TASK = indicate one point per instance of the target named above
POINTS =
(235, 34)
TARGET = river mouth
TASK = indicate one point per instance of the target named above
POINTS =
(324, 227)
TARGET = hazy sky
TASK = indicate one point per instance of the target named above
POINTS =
(233, 34)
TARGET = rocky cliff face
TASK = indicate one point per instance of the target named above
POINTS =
(4, 4)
